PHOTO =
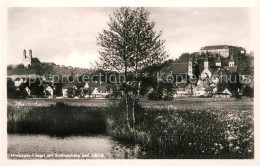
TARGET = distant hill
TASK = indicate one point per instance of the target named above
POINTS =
(45, 69)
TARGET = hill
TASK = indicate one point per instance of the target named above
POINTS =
(45, 69)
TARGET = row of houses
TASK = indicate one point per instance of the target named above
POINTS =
(49, 90)
(211, 91)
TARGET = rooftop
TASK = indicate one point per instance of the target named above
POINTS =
(231, 58)
(218, 47)
(231, 68)
(218, 60)
(177, 68)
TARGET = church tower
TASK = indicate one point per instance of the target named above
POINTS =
(190, 67)
(27, 61)
(218, 62)
(24, 54)
(206, 62)
(30, 54)
(231, 61)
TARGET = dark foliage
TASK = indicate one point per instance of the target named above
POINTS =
(60, 120)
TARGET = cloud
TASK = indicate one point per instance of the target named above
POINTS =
(77, 59)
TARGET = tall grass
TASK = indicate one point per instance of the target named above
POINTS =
(60, 119)
(187, 133)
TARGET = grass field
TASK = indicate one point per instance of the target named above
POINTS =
(178, 103)
(48, 102)
(182, 128)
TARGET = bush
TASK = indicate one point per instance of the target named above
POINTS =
(154, 96)
(20, 66)
(167, 97)
(9, 67)
(248, 91)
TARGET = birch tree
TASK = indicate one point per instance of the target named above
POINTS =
(128, 46)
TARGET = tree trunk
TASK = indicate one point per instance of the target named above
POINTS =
(127, 109)
(133, 113)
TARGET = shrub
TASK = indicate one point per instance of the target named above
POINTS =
(248, 91)
(154, 96)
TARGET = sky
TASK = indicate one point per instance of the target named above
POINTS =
(68, 36)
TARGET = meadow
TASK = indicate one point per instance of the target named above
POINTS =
(182, 128)
(177, 103)
(37, 102)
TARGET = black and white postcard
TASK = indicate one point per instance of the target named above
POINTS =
(90, 82)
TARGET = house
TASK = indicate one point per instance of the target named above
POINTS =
(86, 86)
(85, 90)
(99, 92)
(28, 91)
(199, 92)
(209, 91)
(48, 91)
(181, 69)
(226, 91)
(222, 94)
(64, 93)
(182, 92)
(179, 93)
(66, 88)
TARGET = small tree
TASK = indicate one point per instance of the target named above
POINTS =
(129, 45)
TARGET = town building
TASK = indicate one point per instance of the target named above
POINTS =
(184, 68)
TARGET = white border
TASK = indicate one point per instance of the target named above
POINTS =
(255, 27)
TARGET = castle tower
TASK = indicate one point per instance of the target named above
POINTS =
(206, 62)
(190, 67)
(231, 61)
(218, 62)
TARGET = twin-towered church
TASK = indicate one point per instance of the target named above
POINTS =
(27, 60)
